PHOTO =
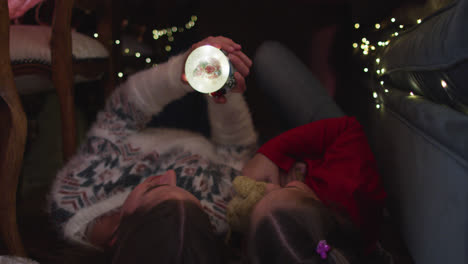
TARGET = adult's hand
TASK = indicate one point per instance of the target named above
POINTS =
(239, 60)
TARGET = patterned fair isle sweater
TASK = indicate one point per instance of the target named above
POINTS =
(119, 152)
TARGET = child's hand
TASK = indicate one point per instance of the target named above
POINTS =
(239, 60)
(297, 173)
(261, 168)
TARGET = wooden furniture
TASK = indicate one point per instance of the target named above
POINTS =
(65, 57)
(12, 141)
(55, 53)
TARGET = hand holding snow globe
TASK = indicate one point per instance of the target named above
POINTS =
(216, 66)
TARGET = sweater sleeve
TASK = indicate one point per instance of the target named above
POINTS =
(231, 123)
(143, 95)
(311, 140)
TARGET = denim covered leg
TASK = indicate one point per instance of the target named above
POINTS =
(289, 84)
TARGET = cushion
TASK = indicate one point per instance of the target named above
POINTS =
(421, 149)
(431, 58)
(30, 44)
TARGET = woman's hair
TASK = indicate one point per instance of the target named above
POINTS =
(292, 236)
(174, 231)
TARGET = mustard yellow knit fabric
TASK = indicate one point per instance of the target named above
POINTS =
(248, 193)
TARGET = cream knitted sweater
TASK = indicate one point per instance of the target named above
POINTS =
(120, 152)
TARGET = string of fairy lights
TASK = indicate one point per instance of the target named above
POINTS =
(370, 50)
(158, 34)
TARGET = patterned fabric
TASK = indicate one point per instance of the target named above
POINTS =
(111, 163)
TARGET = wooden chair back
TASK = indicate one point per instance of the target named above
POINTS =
(13, 126)
(63, 68)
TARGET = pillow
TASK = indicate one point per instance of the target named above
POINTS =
(431, 58)
(30, 44)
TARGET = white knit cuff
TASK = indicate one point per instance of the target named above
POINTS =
(151, 90)
(74, 229)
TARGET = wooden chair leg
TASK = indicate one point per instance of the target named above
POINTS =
(13, 127)
(68, 118)
(62, 73)
(9, 231)
(13, 132)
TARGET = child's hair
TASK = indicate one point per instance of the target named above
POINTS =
(174, 231)
(292, 236)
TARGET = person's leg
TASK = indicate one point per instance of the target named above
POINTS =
(289, 84)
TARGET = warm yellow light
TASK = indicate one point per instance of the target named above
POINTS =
(120, 74)
(377, 60)
(355, 45)
(372, 47)
(356, 26)
(383, 70)
(96, 35)
(194, 18)
(117, 42)
(386, 90)
(148, 60)
(171, 39)
(155, 32)
(364, 40)
(401, 26)
(393, 20)
(443, 83)
(377, 26)
(396, 34)
(127, 50)
(419, 21)
(168, 48)
(365, 52)
(137, 54)
(375, 95)
(174, 29)
(155, 37)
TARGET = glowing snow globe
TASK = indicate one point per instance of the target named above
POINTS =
(208, 70)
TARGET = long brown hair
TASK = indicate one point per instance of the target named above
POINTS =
(291, 236)
(174, 231)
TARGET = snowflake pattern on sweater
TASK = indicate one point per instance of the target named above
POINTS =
(109, 165)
